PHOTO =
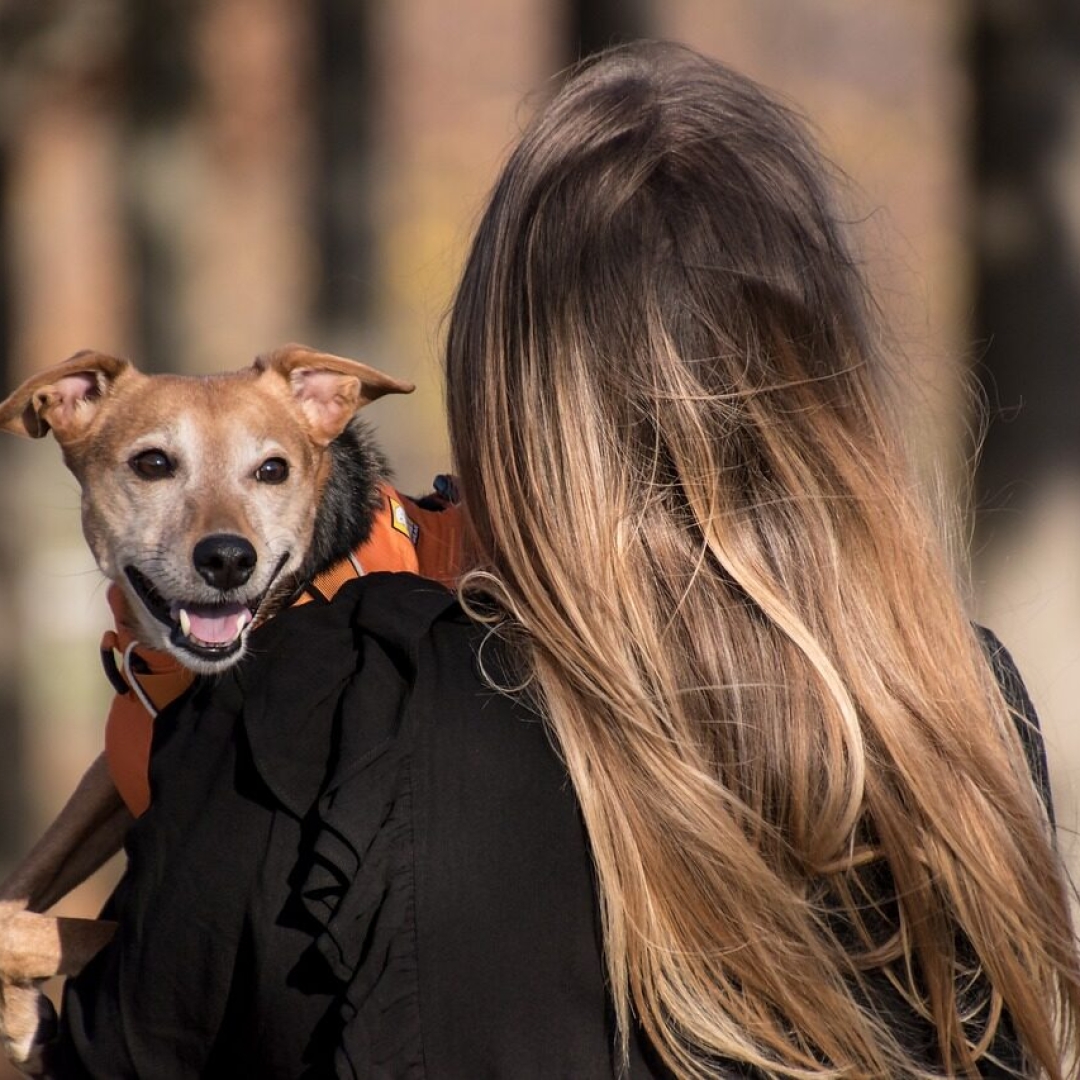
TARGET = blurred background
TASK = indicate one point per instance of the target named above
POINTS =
(189, 184)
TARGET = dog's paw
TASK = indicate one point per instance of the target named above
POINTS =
(27, 1026)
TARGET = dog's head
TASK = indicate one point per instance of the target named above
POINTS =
(199, 494)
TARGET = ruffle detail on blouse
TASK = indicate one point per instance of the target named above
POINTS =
(358, 881)
(360, 890)
(362, 854)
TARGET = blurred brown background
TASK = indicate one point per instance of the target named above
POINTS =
(192, 183)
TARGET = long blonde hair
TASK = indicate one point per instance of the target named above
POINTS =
(804, 791)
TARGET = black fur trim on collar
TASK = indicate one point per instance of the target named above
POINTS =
(350, 499)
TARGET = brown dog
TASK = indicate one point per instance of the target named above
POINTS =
(208, 501)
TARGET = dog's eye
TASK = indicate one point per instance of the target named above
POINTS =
(273, 470)
(153, 465)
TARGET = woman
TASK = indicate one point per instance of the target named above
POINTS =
(807, 803)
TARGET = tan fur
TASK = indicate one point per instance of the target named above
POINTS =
(217, 431)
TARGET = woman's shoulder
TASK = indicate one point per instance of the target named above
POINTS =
(436, 684)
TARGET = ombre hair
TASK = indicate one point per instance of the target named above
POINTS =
(818, 845)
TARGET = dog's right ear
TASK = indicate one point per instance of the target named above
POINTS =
(328, 389)
(63, 399)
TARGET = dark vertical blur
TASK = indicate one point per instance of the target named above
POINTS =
(1026, 60)
(160, 84)
(597, 24)
(343, 92)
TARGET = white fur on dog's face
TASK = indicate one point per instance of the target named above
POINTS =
(171, 464)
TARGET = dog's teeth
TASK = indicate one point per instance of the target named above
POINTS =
(242, 622)
(185, 623)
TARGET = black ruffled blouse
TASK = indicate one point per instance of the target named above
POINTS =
(358, 862)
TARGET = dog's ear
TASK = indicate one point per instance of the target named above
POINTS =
(63, 399)
(329, 389)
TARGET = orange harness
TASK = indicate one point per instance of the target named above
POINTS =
(405, 537)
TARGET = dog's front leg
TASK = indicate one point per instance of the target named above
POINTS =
(34, 947)
(88, 830)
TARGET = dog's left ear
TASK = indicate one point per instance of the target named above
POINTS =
(329, 389)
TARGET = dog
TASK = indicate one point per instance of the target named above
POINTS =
(209, 502)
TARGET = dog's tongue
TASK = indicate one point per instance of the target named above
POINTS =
(216, 625)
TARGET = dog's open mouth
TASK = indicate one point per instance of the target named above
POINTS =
(210, 631)
(216, 626)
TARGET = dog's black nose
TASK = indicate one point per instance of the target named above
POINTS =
(224, 561)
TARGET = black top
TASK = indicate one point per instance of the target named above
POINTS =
(358, 862)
